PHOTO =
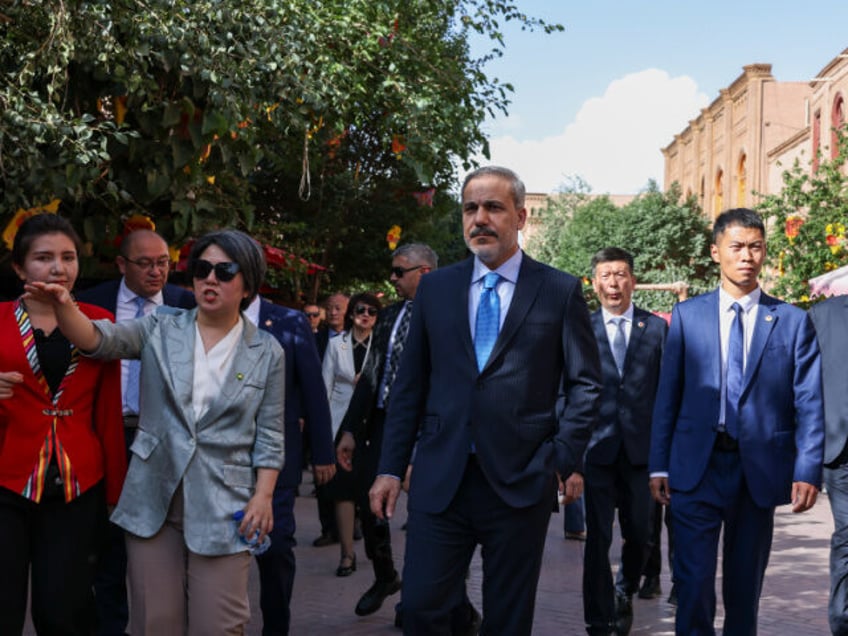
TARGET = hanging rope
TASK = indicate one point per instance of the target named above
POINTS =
(305, 189)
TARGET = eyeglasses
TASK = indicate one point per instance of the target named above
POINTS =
(224, 272)
(400, 271)
(365, 309)
(149, 263)
(312, 314)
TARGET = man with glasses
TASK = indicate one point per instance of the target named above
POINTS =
(313, 315)
(144, 263)
(362, 426)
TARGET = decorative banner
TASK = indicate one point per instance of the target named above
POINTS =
(22, 215)
(393, 236)
(425, 197)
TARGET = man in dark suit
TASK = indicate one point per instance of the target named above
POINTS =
(630, 343)
(493, 343)
(362, 427)
(143, 262)
(306, 399)
(831, 322)
(738, 429)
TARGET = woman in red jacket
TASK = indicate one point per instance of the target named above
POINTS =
(62, 456)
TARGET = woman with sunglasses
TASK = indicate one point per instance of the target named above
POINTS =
(209, 441)
(62, 455)
(345, 357)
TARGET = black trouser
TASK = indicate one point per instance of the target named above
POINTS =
(57, 542)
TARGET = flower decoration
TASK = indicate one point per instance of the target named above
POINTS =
(393, 236)
(793, 226)
(22, 215)
(835, 237)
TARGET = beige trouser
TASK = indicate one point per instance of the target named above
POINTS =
(171, 586)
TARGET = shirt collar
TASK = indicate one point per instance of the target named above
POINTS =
(627, 315)
(126, 295)
(508, 269)
(252, 310)
(725, 300)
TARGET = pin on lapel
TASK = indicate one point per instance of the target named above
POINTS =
(769, 318)
(268, 323)
(640, 324)
(239, 376)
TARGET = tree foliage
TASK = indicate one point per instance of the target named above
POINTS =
(669, 239)
(807, 223)
(306, 121)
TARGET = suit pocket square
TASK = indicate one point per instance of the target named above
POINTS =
(143, 444)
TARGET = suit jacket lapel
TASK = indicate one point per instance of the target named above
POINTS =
(177, 360)
(766, 320)
(637, 330)
(243, 371)
(458, 297)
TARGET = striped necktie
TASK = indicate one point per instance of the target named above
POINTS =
(488, 319)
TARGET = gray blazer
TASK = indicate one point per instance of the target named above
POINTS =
(214, 458)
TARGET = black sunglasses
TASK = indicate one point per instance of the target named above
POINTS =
(365, 309)
(400, 271)
(224, 272)
(312, 314)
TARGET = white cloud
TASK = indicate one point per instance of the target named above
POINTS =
(614, 141)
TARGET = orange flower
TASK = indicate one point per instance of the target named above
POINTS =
(22, 215)
(393, 236)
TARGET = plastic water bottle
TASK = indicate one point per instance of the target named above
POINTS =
(253, 545)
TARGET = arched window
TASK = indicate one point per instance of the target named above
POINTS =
(742, 180)
(837, 120)
(718, 201)
(816, 139)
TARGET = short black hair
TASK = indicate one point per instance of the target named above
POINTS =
(243, 250)
(612, 254)
(364, 298)
(39, 225)
(744, 217)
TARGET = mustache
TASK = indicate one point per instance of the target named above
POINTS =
(482, 231)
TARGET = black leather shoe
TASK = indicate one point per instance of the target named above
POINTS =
(623, 614)
(650, 587)
(672, 596)
(324, 540)
(346, 569)
(373, 599)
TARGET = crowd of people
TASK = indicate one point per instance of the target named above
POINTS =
(140, 417)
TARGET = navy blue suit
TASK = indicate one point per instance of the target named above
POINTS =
(830, 319)
(499, 496)
(110, 580)
(780, 441)
(306, 398)
(617, 464)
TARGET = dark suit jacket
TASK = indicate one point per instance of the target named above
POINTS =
(781, 420)
(831, 322)
(106, 295)
(509, 410)
(357, 420)
(306, 396)
(627, 403)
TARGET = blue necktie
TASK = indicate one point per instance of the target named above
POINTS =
(619, 344)
(488, 319)
(134, 366)
(735, 371)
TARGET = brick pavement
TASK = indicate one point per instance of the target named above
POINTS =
(794, 598)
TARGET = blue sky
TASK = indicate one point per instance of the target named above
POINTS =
(600, 99)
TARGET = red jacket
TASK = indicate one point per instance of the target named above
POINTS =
(89, 426)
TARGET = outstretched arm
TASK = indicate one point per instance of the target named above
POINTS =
(76, 326)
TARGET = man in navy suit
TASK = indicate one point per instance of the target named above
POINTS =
(306, 399)
(494, 341)
(738, 429)
(831, 322)
(144, 263)
(630, 342)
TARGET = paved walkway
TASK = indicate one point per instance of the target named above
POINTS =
(794, 599)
